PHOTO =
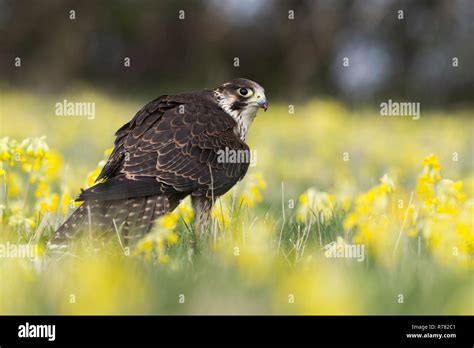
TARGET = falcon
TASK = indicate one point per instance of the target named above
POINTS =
(168, 151)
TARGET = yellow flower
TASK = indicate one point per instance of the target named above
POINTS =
(374, 224)
(169, 221)
(146, 244)
(92, 176)
(186, 211)
(254, 183)
(432, 162)
(303, 199)
(314, 202)
(108, 152)
(13, 184)
(173, 238)
(247, 200)
(256, 193)
(350, 221)
(431, 174)
(154, 244)
(260, 181)
(53, 166)
(5, 153)
(66, 202)
(36, 148)
(49, 203)
(42, 189)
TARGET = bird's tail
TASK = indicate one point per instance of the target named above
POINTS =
(133, 218)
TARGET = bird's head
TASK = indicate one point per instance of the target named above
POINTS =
(241, 98)
(240, 94)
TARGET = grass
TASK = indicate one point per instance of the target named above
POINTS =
(319, 179)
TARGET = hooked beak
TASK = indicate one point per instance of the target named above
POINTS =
(263, 104)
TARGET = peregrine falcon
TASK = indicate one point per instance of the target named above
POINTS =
(168, 151)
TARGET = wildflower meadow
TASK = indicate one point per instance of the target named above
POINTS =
(344, 212)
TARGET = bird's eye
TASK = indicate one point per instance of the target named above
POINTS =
(245, 92)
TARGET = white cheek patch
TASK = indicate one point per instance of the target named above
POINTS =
(244, 117)
(225, 102)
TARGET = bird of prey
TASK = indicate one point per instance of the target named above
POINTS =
(168, 151)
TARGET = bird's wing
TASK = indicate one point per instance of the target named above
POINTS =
(174, 143)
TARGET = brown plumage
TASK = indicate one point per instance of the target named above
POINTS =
(169, 150)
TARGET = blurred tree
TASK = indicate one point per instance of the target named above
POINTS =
(296, 49)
